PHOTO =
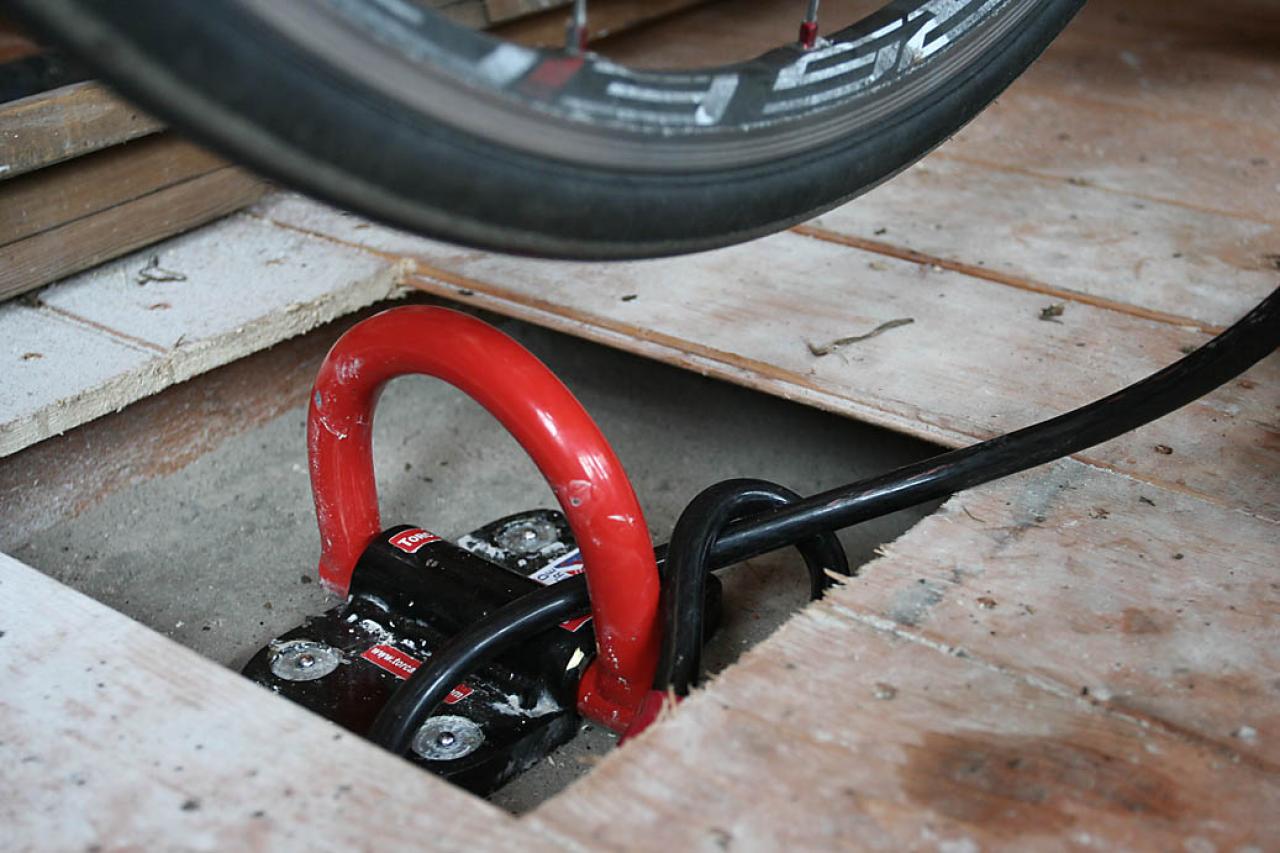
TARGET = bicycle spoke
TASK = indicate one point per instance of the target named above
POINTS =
(575, 36)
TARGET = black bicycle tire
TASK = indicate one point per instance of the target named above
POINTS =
(281, 112)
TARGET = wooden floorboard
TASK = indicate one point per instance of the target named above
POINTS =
(96, 342)
(1224, 80)
(1165, 616)
(1229, 25)
(1072, 243)
(94, 183)
(86, 242)
(1202, 166)
(846, 732)
(54, 126)
(117, 738)
(977, 358)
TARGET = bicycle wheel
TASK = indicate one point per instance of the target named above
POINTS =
(391, 110)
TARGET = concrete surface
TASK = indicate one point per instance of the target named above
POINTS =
(221, 555)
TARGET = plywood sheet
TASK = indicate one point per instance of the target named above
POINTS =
(117, 738)
(197, 302)
(1068, 242)
(1153, 604)
(1201, 165)
(976, 360)
(845, 732)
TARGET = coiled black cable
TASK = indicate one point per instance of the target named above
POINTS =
(545, 608)
(1232, 352)
(684, 579)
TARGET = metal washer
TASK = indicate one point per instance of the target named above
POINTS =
(527, 536)
(303, 660)
(447, 738)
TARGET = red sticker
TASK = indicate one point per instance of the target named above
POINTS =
(457, 694)
(575, 624)
(551, 75)
(393, 660)
(411, 541)
(402, 665)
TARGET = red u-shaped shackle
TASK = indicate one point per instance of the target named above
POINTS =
(552, 427)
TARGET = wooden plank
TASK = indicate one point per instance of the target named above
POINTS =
(1156, 605)
(1146, 155)
(239, 287)
(469, 13)
(1073, 243)
(1248, 25)
(43, 351)
(45, 129)
(1227, 80)
(55, 196)
(841, 733)
(65, 475)
(90, 240)
(505, 10)
(116, 738)
(607, 17)
(748, 314)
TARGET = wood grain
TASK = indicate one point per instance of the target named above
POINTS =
(505, 10)
(754, 309)
(1068, 242)
(57, 195)
(1077, 140)
(54, 126)
(1247, 27)
(94, 343)
(158, 748)
(1228, 80)
(60, 251)
(842, 733)
(469, 13)
(1155, 605)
